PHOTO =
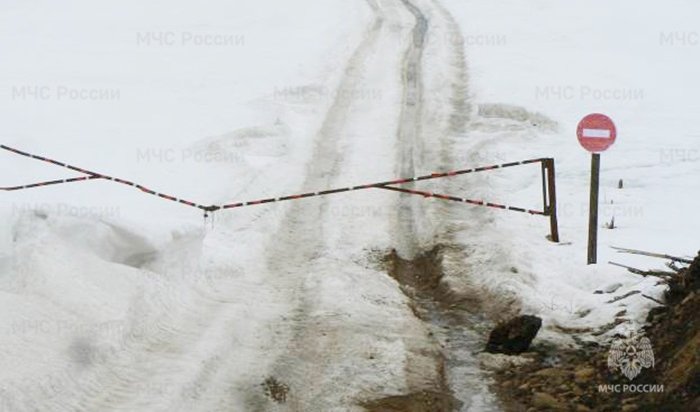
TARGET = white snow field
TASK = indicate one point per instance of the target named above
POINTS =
(535, 69)
(113, 300)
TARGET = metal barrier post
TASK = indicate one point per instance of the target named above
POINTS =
(550, 205)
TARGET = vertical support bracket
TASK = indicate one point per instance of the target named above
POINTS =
(549, 194)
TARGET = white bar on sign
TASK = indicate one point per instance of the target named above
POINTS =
(596, 133)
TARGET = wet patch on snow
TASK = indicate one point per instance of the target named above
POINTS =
(454, 325)
(510, 117)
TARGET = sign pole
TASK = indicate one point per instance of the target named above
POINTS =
(593, 210)
(596, 133)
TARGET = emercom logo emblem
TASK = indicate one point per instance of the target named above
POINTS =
(630, 356)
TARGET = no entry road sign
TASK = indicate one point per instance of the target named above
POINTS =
(596, 132)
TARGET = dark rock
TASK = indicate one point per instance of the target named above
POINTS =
(514, 336)
(656, 312)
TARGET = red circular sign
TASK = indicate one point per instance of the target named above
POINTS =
(596, 132)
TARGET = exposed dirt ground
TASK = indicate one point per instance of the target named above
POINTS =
(423, 401)
(569, 380)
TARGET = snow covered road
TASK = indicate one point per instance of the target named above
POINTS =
(284, 308)
(112, 300)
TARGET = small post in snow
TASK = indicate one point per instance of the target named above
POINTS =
(596, 133)
(549, 194)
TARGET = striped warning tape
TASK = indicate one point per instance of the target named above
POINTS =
(45, 159)
(212, 208)
(95, 175)
(381, 185)
(463, 200)
(51, 182)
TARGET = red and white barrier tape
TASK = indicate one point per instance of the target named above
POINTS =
(463, 200)
(92, 175)
(380, 185)
(212, 208)
(51, 182)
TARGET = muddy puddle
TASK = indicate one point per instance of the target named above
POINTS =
(455, 326)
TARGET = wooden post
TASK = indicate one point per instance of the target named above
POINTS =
(593, 210)
(552, 189)
(549, 194)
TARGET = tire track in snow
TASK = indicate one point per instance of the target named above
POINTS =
(300, 250)
(453, 329)
(409, 132)
(289, 265)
